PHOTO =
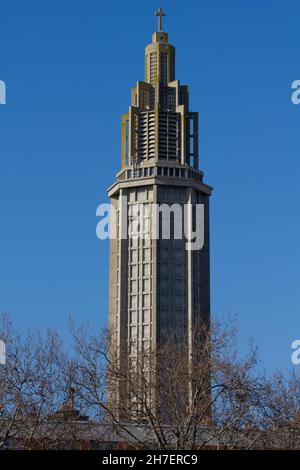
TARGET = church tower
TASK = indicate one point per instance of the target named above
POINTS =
(157, 285)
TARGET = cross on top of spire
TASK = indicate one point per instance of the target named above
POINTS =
(160, 13)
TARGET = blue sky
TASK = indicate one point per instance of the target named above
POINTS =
(69, 66)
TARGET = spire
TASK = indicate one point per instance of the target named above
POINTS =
(160, 14)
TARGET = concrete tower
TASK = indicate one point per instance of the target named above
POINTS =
(157, 285)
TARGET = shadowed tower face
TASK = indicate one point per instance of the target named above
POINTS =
(158, 287)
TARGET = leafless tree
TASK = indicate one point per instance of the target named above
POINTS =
(177, 398)
(283, 430)
(33, 387)
(170, 397)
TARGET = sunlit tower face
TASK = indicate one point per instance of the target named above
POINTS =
(157, 286)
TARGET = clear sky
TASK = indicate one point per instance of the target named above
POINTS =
(69, 66)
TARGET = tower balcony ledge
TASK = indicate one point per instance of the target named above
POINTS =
(157, 180)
